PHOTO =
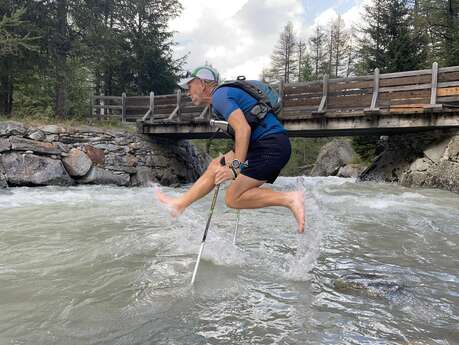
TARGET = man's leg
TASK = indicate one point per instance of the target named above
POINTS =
(244, 193)
(199, 189)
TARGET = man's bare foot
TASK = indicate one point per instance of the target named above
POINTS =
(297, 207)
(172, 203)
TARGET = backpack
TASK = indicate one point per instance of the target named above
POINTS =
(268, 99)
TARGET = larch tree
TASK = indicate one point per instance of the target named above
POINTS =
(283, 58)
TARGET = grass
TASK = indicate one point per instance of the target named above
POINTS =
(77, 121)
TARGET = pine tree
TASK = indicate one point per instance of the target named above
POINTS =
(341, 46)
(389, 42)
(283, 59)
(307, 72)
(317, 49)
(301, 51)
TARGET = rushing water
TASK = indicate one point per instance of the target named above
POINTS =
(378, 264)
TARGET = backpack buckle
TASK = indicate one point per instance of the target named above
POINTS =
(259, 110)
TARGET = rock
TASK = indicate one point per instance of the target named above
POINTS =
(29, 170)
(108, 147)
(77, 163)
(12, 128)
(144, 177)
(62, 147)
(351, 170)
(5, 144)
(37, 135)
(452, 151)
(421, 164)
(96, 155)
(332, 156)
(444, 175)
(123, 140)
(3, 178)
(435, 151)
(51, 138)
(98, 175)
(419, 160)
(22, 144)
(52, 129)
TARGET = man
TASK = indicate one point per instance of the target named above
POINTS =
(264, 146)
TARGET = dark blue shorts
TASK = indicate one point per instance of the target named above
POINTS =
(267, 156)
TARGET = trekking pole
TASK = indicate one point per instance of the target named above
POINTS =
(238, 214)
(211, 211)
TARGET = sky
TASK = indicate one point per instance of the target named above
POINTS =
(237, 37)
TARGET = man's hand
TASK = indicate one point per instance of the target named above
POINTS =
(223, 174)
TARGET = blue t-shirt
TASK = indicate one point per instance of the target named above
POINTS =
(227, 99)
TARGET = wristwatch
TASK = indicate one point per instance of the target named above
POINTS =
(236, 164)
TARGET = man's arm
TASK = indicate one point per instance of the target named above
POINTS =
(242, 134)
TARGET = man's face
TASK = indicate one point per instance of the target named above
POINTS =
(196, 91)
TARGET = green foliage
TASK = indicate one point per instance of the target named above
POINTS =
(13, 42)
(389, 41)
(365, 146)
(304, 155)
(54, 54)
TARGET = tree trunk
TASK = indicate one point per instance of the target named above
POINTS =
(62, 47)
(6, 92)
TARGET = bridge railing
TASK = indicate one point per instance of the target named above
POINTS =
(410, 92)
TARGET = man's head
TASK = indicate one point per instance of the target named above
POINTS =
(199, 84)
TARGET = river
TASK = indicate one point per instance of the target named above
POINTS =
(377, 264)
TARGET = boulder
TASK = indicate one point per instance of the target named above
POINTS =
(3, 178)
(428, 159)
(96, 155)
(452, 152)
(77, 163)
(5, 144)
(52, 129)
(22, 144)
(51, 138)
(28, 170)
(37, 135)
(144, 177)
(12, 128)
(351, 170)
(332, 157)
(98, 175)
(436, 150)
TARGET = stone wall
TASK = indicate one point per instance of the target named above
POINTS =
(429, 159)
(53, 155)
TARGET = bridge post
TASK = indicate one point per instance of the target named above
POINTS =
(152, 103)
(323, 102)
(281, 95)
(91, 106)
(179, 104)
(150, 107)
(374, 99)
(433, 95)
(123, 107)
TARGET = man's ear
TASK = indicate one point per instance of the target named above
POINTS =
(203, 84)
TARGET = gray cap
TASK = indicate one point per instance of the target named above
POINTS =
(201, 72)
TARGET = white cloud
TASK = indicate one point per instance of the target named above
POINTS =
(237, 37)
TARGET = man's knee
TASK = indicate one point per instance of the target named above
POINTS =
(231, 200)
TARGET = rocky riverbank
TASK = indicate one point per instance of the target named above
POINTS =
(53, 155)
(429, 159)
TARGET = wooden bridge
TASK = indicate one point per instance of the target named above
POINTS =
(373, 104)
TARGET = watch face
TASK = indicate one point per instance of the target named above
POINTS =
(235, 164)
